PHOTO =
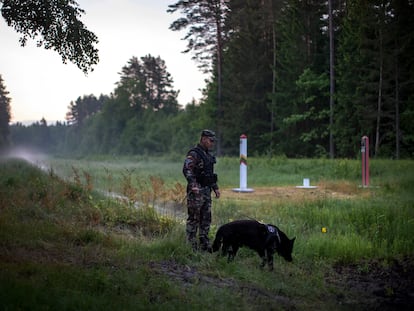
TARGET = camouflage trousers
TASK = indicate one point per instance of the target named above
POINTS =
(199, 218)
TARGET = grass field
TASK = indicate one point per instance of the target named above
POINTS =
(65, 244)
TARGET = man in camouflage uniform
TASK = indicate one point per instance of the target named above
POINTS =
(198, 169)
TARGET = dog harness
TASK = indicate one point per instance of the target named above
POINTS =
(273, 231)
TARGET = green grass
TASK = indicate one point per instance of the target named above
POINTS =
(110, 172)
(64, 245)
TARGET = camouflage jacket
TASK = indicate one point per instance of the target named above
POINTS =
(198, 168)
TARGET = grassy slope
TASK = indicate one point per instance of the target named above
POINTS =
(66, 247)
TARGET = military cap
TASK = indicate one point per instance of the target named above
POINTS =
(209, 133)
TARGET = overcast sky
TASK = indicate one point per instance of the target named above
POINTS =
(40, 85)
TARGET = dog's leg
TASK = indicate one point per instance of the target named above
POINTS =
(270, 260)
(262, 255)
(231, 253)
(224, 249)
(216, 244)
(235, 249)
(263, 263)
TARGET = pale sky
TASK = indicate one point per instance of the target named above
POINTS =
(40, 85)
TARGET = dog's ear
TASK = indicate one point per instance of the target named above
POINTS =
(293, 240)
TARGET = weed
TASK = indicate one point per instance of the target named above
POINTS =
(66, 246)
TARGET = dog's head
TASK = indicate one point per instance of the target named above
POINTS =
(280, 243)
(286, 248)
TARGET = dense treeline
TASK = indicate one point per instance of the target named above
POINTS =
(5, 115)
(270, 79)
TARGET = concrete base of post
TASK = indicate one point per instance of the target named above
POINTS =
(243, 190)
(306, 184)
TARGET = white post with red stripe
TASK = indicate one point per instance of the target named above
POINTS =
(365, 161)
(243, 166)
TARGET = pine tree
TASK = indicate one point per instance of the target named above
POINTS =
(247, 75)
(147, 85)
(84, 107)
(371, 74)
(302, 46)
(5, 116)
(206, 37)
(402, 32)
(130, 119)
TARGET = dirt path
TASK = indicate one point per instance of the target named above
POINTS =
(340, 190)
(366, 286)
(372, 285)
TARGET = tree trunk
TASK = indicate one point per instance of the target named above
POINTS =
(380, 85)
(219, 78)
(377, 130)
(397, 111)
(332, 80)
(272, 22)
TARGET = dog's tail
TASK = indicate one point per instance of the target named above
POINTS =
(217, 241)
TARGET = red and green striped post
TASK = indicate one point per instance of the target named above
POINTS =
(365, 161)
(243, 165)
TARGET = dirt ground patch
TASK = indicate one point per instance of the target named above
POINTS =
(323, 190)
(373, 285)
(370, 285)
(188, 276)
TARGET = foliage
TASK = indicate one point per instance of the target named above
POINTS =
(57, 26)
(147, 85)
(269, 81)
(67, 247)
(134, 119)
(204, 21)
(247, 76)
(39, 136)
(84, 107)
(371, 91)
(312, 118)
(5, 116)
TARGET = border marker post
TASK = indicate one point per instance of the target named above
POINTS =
(365, 161)
(243, 166)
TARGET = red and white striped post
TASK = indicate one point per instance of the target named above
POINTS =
(365, 161)
(243, 165)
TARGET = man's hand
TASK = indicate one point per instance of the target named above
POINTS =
(217, 192)
(195, 188)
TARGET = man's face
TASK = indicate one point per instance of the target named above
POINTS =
(207, 142)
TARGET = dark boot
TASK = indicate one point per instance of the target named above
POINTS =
(194, 245)
(191, 239)
(205, 245)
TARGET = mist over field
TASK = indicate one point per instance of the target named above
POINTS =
(31, 155)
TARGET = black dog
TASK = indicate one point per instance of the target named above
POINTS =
(265, 239)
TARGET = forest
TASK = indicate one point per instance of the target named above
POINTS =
(301, 78)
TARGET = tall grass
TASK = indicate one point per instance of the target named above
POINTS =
(108, 172)
(377, 221)
(66, 245)
(373, 222)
